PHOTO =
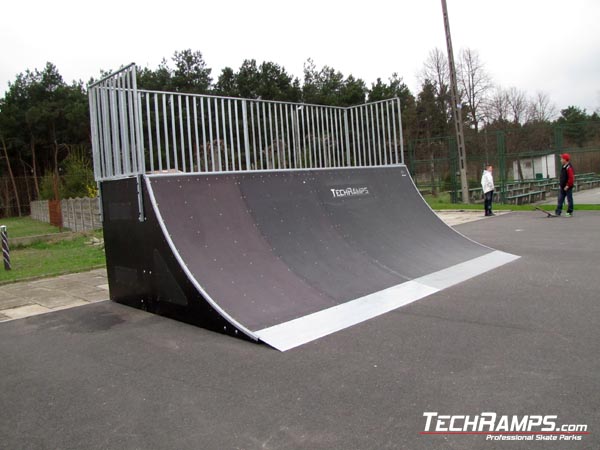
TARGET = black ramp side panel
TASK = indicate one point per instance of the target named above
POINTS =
(143, 271)
(295, 255)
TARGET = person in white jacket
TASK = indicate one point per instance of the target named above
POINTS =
(487, 184)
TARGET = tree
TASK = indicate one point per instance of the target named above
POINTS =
(276, 84)
(13, 109)
(10, 174)
(517, 102)
(353, 91)
(431, 123)
(78, 180)
(191, 73)
(396, 88)
(310, 88)
(39, 115)
(322, 87)
(474, 83)
(497, 108)
(226, 83)
(541, 109)
(155, 80)
(574, 121)
(269, 81)
(7, 128)
(327, 86)
(247, 79)
(436, 71)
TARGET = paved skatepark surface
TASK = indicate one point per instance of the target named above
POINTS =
(520, 340)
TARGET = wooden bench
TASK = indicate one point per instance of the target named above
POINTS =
(475, 195)
(516, 191)
(581, 176)
(527, 197)
(548, 186)
(586, 184)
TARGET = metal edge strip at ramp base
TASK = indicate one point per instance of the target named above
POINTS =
(294, 333)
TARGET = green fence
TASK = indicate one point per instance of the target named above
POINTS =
(524, 154)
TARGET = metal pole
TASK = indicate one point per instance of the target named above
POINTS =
(5, 248)
(456, 110)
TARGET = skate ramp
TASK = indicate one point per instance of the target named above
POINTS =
(288, 257)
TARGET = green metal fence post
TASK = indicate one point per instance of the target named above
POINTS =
(501, 151)
(558, 138)
(455, 174)
(411, 158)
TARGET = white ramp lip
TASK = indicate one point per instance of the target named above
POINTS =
(302, 330)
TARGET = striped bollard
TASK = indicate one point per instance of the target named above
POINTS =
(5, 249)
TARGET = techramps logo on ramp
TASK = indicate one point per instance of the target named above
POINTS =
(361, 191)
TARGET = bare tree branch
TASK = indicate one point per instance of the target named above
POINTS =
(541, 109)
(475, 83)
(517, 101)
(437, 72)
(497, 107)
(435, 69)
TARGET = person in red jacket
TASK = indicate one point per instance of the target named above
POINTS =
(565, 189)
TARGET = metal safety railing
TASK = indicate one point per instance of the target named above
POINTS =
(139, 131)
(116, 126)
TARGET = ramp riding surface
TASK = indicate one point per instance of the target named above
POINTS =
(287, 257)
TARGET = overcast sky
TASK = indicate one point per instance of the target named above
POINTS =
(534, 45)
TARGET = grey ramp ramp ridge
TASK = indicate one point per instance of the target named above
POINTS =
(291, 256)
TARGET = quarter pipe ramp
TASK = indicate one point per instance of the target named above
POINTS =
(282, 257)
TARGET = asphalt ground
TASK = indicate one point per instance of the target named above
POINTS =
(522, 340)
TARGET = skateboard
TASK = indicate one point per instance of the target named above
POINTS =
(548, 214)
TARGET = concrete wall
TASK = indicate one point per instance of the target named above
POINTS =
(78, 214)
(40, 211)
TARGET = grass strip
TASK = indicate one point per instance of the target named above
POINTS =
(46, 259)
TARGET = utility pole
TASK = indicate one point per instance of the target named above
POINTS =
(456, 110)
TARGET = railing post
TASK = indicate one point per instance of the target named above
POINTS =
(92, 99)
(246, 135)
(140, 194)
(136, 121)
(347, 135)
(400, 133)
